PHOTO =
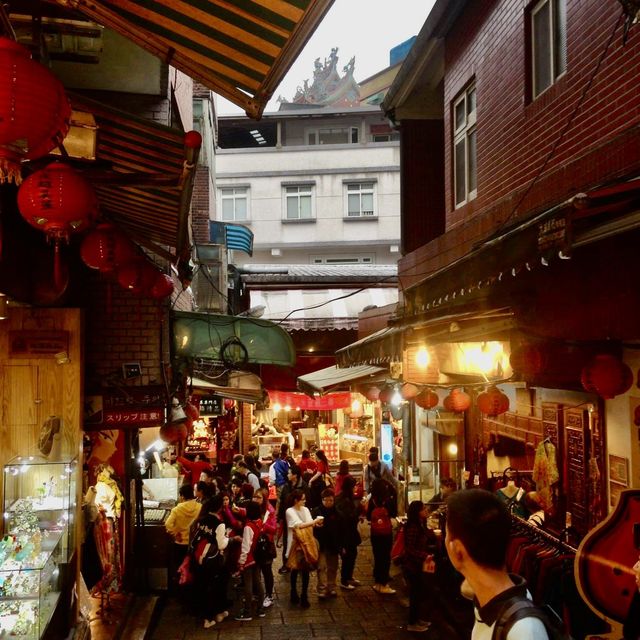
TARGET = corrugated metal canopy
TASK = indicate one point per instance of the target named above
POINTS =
(330, 378)
(240, 49)
(150, 156)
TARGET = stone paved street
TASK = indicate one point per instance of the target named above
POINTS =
(354, 615)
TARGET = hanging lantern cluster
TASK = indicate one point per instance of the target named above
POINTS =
(493, 402)
(58, 201)
(607, 376)
(34, 110)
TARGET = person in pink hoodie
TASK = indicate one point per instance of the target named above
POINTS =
(269, 528)
(248, 566)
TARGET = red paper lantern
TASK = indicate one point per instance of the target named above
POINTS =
(34, 110)
(385, 395)
(192, 140)
(173, 433)
(457, 401)
(493, 402)
(137, 276)
(529, 360)
(228, 404)
(427, 399)
(372, 393)
(58, 201)
(409, 391)
(607, 376)
(162, 286)
(105, 248)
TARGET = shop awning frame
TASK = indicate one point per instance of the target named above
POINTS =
(330, 378)
(240, 49)
(381, 347)
(240, 385)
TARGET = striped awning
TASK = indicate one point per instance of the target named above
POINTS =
(233, 236)
(240, 49)
(139, 176)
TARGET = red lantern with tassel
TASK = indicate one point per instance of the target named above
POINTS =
(493, 402)
(138, 276)
(105, 248)
(372, 394)
(457, 401)
(409, 391)
(162, 286)
(34, 110)
(607, 376)
(427, 399)
(58, 201)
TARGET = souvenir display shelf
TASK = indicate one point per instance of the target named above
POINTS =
(40, 495)
(30, 582)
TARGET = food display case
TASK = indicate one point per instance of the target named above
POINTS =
(39, 540)
(357, 437)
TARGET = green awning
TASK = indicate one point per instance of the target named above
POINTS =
(240, 49)
(231, 340)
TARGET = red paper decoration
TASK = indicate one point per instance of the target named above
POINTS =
(457, 401)
(58, 201)
(105, 248)
(192, 140)
(162, 286)
(529, 360)
(607, 376)
(427, 399)
(228, 404)
(372, 393)
(34, 110)
(409, 391)
(493, 402)
(385, 395)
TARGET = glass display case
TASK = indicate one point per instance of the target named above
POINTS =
(30, 583)
(357, 437)
(40, 496)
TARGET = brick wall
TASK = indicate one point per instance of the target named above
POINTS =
(200, 205)
(515, 135)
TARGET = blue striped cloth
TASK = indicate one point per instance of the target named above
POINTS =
(233, 236)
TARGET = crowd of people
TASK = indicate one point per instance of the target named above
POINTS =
(226, 535)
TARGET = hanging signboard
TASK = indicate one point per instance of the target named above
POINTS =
(130, 407)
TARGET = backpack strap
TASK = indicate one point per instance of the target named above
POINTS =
(513, 610)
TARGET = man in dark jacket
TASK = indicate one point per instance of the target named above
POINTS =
(329, 536)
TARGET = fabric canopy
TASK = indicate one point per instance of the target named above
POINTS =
(332, 377)
(240, 49)
(230, 340)
(232, 236)
(329, 402)
(380, 347)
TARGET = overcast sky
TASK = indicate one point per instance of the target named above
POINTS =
(366, 29)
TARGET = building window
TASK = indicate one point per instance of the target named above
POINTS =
(464, 146)
(298, 202)
(234, 204)
(548, 43)
(341, 135)
(360, 199)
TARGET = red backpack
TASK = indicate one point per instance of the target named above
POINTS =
(380, 522)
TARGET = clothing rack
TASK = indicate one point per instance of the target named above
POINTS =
(541, 534)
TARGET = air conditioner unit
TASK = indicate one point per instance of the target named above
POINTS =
(210, 279)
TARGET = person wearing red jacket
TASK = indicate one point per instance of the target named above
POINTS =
(195, 467)
(248, 566)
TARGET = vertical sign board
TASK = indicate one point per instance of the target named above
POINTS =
(386, 443)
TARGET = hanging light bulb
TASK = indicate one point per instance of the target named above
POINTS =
(277, 407)
(422, 357)
(396, 398)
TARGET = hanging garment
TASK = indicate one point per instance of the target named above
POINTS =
(545, 473)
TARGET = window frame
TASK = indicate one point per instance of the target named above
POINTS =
(350, 130)
(462, 133)
(310, 191)
(374, 198)
(235, 197)
(557, 54)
